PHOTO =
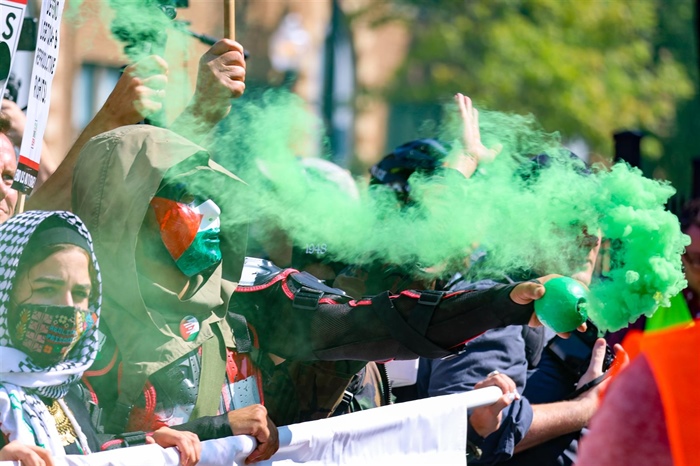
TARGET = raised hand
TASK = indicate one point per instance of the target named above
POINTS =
(139, 93)
(221, 76)
(474, 150)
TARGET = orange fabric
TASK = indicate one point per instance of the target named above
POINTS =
(674, 357)
(633, 342)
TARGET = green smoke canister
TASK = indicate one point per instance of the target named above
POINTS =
(563, 306)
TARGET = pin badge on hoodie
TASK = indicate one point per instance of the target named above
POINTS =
(189, 328)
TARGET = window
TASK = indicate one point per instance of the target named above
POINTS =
(91, 87)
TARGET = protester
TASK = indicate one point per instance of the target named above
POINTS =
(648, 416)
(320, 389)
(49, 314)
(139, 93)
(132, 184)
(159, 312)
(8, 167)
(543, 427)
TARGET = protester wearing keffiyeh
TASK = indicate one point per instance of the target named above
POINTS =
(23, 414)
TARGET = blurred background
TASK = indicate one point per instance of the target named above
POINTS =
(616, 78)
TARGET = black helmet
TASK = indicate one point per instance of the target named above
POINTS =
(422, 155)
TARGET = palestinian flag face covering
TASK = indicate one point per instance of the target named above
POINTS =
(190, 232)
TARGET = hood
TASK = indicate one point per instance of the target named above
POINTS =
(16, 367)
(115, 178)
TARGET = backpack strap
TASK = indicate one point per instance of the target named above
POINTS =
(421, 314)
(128, 394)
(401, 330)
(241, 332)
(212, 376)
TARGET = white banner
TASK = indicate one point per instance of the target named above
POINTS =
(11, 16)
(43, 71)
(430, 431)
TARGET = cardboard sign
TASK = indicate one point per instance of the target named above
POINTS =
(11, 15)
(43, 71)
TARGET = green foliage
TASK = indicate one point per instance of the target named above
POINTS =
(585, 68)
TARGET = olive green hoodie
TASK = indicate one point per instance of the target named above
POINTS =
(115, 178)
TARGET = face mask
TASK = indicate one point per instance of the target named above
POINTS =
(46, 333)
(190, 233)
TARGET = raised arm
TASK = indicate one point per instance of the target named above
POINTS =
(220, 78)
(139, 93)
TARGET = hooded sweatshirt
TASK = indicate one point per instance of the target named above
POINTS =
(115, 178)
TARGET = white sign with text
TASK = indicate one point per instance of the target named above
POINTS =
(11, 15)
(43, 71)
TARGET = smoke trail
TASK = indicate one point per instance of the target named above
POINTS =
(518, 220)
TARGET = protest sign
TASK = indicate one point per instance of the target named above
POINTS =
(11, 14)
(43, 71)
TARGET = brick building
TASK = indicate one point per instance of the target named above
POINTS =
(338, 65)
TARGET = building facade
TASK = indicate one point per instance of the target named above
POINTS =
(338, 65)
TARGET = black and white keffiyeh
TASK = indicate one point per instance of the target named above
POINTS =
(23, 416)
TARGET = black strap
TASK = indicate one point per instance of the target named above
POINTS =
(345, 403)
(307, 299)
(402, 332)
(587, 386)
(119, 417)
(241, 333)
(131, 439)
(420, 315)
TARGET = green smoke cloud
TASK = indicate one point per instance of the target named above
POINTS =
(517, 220)
(141, 26)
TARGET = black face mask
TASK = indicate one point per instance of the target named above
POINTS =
(47, 333)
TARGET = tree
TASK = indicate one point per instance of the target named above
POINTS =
(584, 68)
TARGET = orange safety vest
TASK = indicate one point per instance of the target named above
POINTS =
(674, 357)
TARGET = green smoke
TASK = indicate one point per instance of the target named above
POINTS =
(144, 28)
(141, 26)
(646, 269)
(519, 219)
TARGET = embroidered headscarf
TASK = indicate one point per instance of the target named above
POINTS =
(23, 416)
